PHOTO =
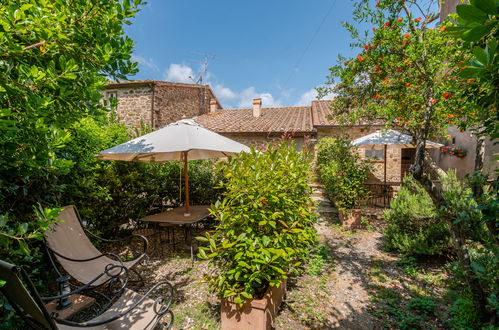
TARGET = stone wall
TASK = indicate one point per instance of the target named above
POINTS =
(257, 139)
(134, 104)
(172, 103)
(352, 132)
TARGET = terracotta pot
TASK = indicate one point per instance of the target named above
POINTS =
(350, 218)
(255, 314)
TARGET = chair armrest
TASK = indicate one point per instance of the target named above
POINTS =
(108, 255)
(159, 309)
(146, 242)
(112, 277)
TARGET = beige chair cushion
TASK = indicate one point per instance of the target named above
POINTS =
(142, 317)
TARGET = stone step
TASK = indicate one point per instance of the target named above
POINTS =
(326, 209)
(318, 191)
(320, 199)
(316, 185)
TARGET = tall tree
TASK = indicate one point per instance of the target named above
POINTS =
(55, 58)
(408, 74)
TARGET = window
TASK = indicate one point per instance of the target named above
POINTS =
(112, 95)
(111, 98)
(375, 154)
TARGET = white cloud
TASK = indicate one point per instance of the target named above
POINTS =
(307, 97)
(224, 93)
(228, 97)
(147, 62)
(243, 99)
(248, 94)
(179, 73)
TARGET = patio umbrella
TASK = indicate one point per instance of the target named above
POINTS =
(183, 140)
(390, 137)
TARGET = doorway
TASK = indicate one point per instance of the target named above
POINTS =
(408, 155)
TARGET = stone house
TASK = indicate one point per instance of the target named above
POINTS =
(304, 124)
(157, 103)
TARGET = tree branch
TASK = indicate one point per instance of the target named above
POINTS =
(38, 44)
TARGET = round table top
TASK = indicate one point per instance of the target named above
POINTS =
(177, 217)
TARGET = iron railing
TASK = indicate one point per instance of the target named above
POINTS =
(381, 194)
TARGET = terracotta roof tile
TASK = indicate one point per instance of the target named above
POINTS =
(321, 115)
(272, 120)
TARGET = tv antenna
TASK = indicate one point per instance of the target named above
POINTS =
(203, 67)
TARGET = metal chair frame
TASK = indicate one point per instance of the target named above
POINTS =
(159, 307)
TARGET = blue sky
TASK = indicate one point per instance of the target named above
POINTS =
(277, 50)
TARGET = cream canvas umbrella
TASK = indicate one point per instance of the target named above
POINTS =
(387, 137)
(183, 140)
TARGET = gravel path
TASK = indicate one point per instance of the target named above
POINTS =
(349, 294)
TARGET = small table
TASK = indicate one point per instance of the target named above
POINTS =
(79, 303)
(177, 217)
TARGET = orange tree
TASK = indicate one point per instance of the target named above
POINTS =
(408, 75)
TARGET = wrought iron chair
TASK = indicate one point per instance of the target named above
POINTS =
(68, 242)
(130, 311)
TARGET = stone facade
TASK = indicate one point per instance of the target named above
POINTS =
(172, 103)
(158, 103)
(252, 139)
(352, 132)
(393, 154)
(134, 104)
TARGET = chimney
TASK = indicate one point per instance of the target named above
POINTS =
(257, 108)
(213, 106)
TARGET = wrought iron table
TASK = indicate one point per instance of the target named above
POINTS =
(176, 217)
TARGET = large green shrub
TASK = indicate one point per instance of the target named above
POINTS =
(342, 172)
(265, 221)
(413, 226)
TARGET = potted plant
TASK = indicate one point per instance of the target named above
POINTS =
(453, 151)
(343, 174)
(264, 232)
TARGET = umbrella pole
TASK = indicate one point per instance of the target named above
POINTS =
(384, 156)
(385, 191)
(186, 182)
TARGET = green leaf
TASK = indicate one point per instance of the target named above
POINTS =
(23, 247)
(481, 55)
(244, 264)
(477, 33)
(3, 220)
(213, 244)
(246, 295)
(202, 254)
(488, 6)
(491, 47)
(22, 229)
(470, 72)
(471, 13)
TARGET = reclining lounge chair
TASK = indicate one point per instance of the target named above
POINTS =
(68, 242)
(130, 311)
